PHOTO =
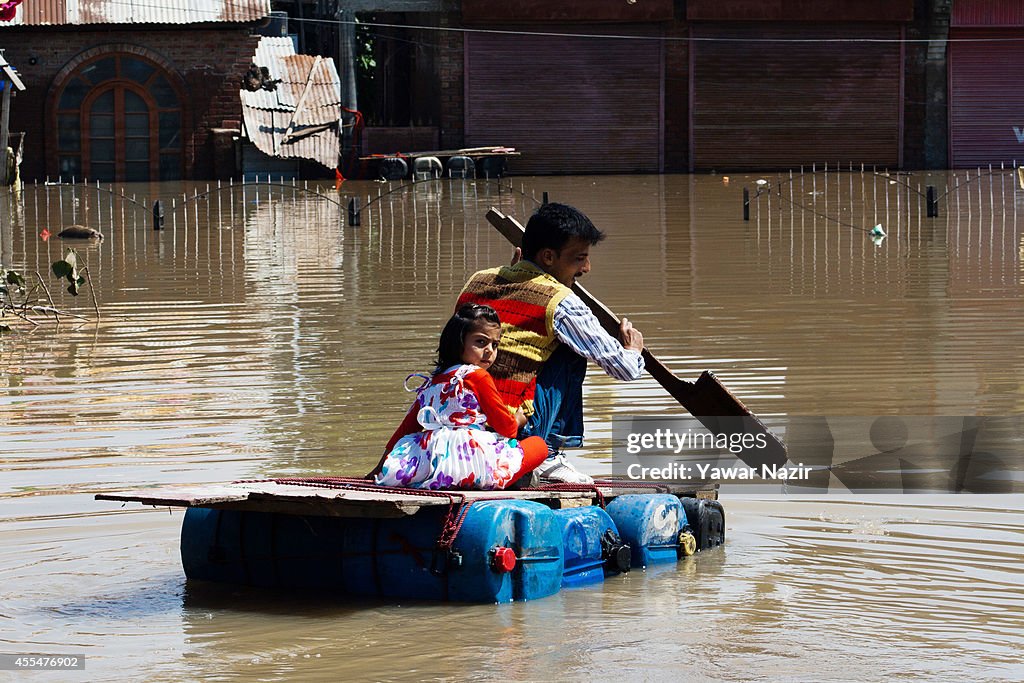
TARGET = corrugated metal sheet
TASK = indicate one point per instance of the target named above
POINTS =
(771, 105)
(967, 13)
(323, 97)
(85, 12)
(278, 55)
(267, 113)
(986, 97)
(568, 104)
(41, 13)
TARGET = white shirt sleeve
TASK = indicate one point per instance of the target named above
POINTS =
(576, 325)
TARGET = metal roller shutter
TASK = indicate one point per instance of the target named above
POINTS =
(986, 97)
(568, 104)
(759, 104)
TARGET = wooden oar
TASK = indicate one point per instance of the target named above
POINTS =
(706, 399)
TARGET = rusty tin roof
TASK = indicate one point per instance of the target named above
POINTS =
(83, 12)
(267, 113)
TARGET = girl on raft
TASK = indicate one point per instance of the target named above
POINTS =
(443, 442)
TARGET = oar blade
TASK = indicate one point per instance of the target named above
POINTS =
(721, 412)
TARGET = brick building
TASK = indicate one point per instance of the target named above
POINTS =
(123, 92)
(661, 85)
(605, 86)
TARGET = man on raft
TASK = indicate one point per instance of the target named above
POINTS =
(548, 333)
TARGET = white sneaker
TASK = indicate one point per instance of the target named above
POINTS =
(556, 470)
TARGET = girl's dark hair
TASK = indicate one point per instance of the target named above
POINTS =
(453, 336)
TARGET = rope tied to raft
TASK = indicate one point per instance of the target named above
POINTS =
(653, 486)
(452, 525)
(454, 497)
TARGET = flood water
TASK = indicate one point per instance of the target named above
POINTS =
(260, 336)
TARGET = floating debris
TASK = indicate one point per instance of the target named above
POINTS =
(80, 232)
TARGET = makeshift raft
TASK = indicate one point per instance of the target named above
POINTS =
(349, 536)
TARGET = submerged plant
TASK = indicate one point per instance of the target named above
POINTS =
(68, 269)
(19, 301)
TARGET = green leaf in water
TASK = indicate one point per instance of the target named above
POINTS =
(62, 268)
(13, 277)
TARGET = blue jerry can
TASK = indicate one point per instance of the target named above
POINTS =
(506, 550)
(262, 548)
(591, 546)
(650, 524)
(530, 530)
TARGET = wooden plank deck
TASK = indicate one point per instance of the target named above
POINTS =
(334, 501)
(472, 152)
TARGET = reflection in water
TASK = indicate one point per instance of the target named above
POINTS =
(259, 335)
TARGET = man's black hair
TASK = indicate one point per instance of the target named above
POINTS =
(453, 336)
(553, 225)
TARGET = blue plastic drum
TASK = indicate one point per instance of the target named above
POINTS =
(650, 524)
(506, 550)
(591, 546)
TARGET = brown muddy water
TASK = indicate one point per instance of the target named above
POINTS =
(258, 336)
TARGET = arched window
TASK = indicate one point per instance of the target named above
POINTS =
(118, 118)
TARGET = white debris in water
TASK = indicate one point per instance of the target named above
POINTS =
(861, 526)
(869, 527)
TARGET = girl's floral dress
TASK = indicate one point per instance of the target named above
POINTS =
(451, 448)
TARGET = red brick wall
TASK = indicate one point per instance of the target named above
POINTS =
(211, 62)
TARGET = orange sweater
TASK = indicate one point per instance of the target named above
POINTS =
(525, 298)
